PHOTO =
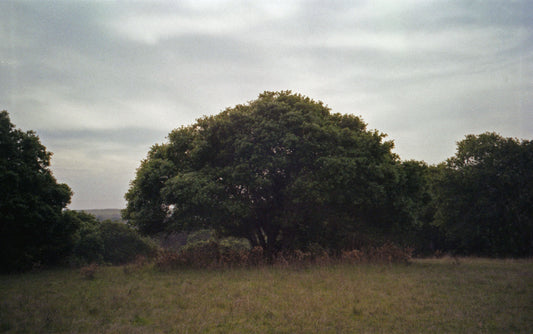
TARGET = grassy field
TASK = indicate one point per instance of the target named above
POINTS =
(428, 296)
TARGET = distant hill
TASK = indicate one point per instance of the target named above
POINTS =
(103, 214)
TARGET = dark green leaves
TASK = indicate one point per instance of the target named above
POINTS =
(31, 226)
(485, 196)
(272, 171)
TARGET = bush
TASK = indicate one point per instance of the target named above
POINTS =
(122, 244)
(173, 240)
(89, 248)
(108, 242)
(200, 236)
(167, 259)
(212, 254)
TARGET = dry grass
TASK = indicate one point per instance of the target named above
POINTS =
(428, 296)
(214, 255)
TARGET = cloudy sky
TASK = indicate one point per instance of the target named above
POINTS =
(102, 81)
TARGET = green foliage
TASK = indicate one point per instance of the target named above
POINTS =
(89, 247)
(280, 171)
(32, 228)
(484, 196)
(107, 241)
(414, 208)
(145, 207)
(200, 236)
(206, 235)
(122, 244)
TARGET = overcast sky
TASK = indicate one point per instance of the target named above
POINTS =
(102, 81)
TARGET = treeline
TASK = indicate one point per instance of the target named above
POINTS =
(482, 198)
(35, 228)
(285, 174)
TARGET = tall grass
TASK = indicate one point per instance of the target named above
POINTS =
(428, 296)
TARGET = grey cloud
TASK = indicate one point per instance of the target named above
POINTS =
(121, 136)
(101, 82)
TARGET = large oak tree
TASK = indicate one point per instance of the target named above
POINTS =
(281, 171)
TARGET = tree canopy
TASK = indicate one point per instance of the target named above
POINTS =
(32, 229)
(281, 171)
(484, 196)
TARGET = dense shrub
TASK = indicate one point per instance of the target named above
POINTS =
(172, 240)
(202, 235)
(90, 247)
(108, 242)
(212, 254)
(167, 259)
(123, 244)
(203, 255)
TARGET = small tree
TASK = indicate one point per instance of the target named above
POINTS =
(32, 229)
(280, 171)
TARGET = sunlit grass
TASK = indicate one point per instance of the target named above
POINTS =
(428, 296)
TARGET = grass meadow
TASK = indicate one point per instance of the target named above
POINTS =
(427, 296)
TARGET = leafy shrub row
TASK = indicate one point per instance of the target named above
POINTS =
(210, 254)
(213, 254)
(108, 242)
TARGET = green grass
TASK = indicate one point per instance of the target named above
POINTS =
(428, 296)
